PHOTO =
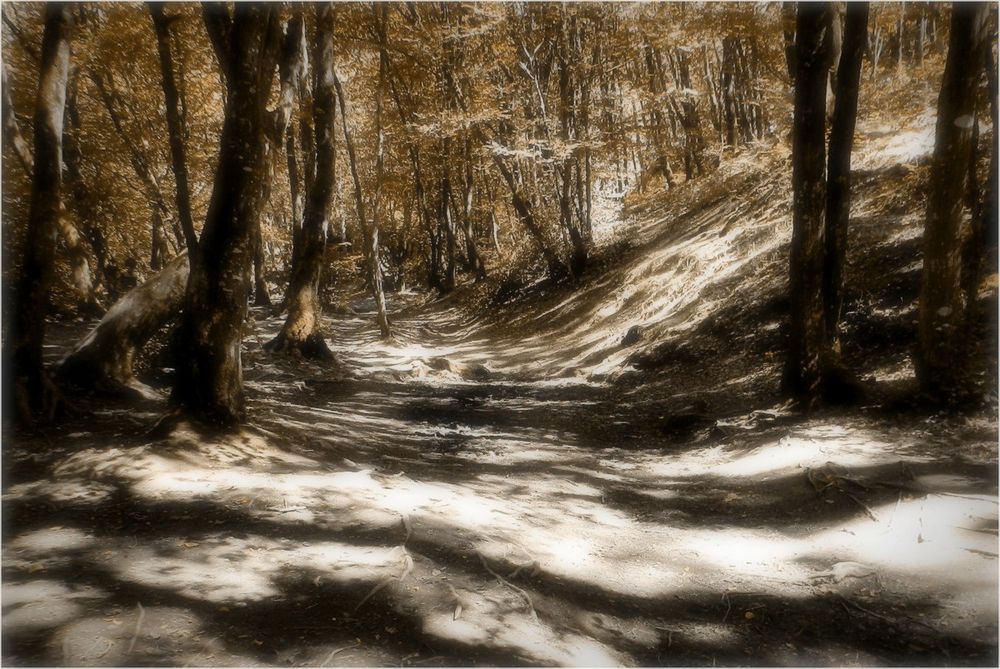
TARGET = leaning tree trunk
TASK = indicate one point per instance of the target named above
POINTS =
(31, 300)
(301, 332)
(802, 372)
(103, 360)
(209, 385)
(939, 360)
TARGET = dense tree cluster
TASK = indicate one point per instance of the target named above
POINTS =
(430, 144)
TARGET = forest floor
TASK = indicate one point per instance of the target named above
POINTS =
(521, 483)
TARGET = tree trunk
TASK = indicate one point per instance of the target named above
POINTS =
(788, 32)
(261, 296)
(209, 385)
(939, 362)
(838, 193)
(802, 372)
(175, 126)
(103, 360)
(375, 272)
(31, 299)
(302, 332)
(476, 263)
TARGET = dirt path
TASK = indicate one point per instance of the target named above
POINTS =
(411, 508)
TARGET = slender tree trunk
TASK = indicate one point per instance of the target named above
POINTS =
(31, 387)
(802, 372)
(83, 279)
(261, 295)
(302, 332)
(207, 343)
(838, 193)
(788, 32)
(375, 271)
(939, 361)
(175, 126)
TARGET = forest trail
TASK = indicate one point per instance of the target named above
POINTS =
(479, 490)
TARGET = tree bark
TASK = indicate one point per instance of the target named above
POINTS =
(103, 360)
(31, 387)
(939, 361)
(175, 126)
(802, 372)
(207, 343)
(302, 332)
(838, 193)
(375, 272)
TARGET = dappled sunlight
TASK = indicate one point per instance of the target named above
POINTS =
(221, 568)
(810, 447)
(43, 604)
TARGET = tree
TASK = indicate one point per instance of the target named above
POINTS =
(209, 383)
(371, 229)
(803, 365)
(302, 332)
(32, 390)
(939, 360)
(838, 189)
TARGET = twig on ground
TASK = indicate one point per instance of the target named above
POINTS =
(138, 626)
(867, 509)
(407, 568)
(337, 651)
(729, 605)
(408, 526)
(510, 585)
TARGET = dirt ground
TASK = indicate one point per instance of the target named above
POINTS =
(528, 484)
(418, 511)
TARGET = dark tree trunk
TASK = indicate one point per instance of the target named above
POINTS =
(802, 373)
(788, 32)
(939, 362)
(694, 142)
(838, 193)
(302, 332)
(31, 386)
(83, 281)
(209, 385)
(103, 360)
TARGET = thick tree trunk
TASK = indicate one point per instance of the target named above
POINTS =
(31, 299)
(209, 385)
(302, 332)
(838, 193)
(103, 360)
(802, 373)
(939, 361)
